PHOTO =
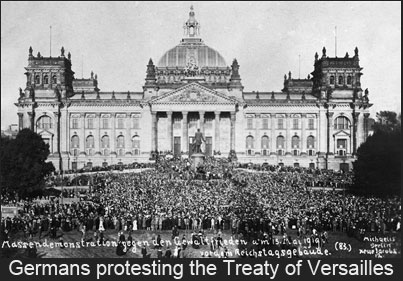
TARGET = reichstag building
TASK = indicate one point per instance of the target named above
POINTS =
(315, 122)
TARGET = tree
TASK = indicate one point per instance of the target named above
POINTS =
(23, 163)
(377, 169)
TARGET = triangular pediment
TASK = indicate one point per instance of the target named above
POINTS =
(341, 133)
(193, 93)
(45, 133)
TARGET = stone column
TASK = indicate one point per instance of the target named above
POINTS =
(185, 132)
(258, 139)
(56, 145)
(366, 126)
(360, 130)
(97, 133)
(322, 130)
(232, 141)
(20, 121)
(154, 131)
(201, 117)
(113, 135)
(128, 141)
(273, 134)
(64, 131)
(170, 136)
(355, 137)
(287, 134)
(31, 116)
(217, 131)
(82, 135)
(303, 133)
(330, 140)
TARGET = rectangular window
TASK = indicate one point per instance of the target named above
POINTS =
(105, 123)
(295, 124)
(75, 123)
(121, 123)
(311, 124)
(280, 124)
(249, 124)
(90, 123)
(265, 123)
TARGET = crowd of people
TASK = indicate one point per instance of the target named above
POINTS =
(218, 196)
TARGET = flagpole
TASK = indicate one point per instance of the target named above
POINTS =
(50, 41)
(335, 41)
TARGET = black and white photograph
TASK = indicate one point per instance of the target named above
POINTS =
(192, 130)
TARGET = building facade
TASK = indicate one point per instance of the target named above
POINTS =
(318, 122)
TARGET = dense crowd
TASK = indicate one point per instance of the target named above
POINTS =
(217, 196)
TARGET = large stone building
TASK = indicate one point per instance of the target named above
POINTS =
(317, 122)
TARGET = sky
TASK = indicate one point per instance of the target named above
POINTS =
(116, 40)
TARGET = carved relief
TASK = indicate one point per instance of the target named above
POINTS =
(193, 96)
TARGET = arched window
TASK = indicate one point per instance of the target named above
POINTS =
(136, 145)
(331, 80)
(341, 80)
(249, 142)
(37, 79)
(44, 122)
(120, 141)
(89, 142)
(54, 79)
(120, 144)
(280, 142)
(46, 79)
(249, 145)
(310, 142)
(295, 142)
(105, 142)
(341, 123)
(265, 142)
(75, 141)
(89, 145)
(105, 145)
(310, 145)
(280, 145)
(265, 145)
(349, 81)
(75, 145)
(295, 145)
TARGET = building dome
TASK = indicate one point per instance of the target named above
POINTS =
(185, 53)
(191, 50)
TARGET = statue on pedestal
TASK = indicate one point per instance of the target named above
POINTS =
(198, 139)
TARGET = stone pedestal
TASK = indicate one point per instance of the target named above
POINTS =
(197, 160)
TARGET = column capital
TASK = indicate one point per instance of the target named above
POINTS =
(303, 115)
(185, 113)
(217, 113)
(20, 114)
(169, 113)
(366, 115)
(329, 114)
